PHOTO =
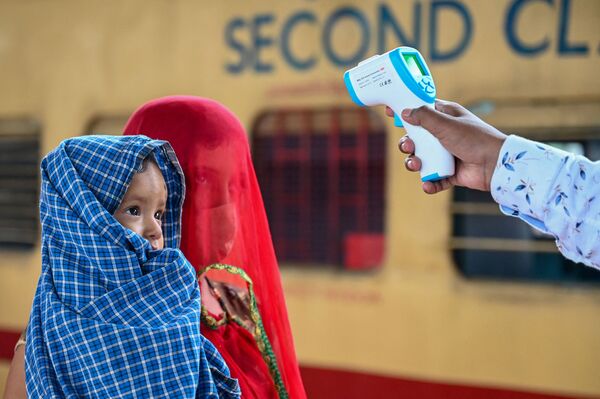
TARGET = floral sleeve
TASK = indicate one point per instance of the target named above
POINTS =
(554, 191)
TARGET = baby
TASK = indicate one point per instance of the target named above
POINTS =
(141, 211)
(144, 203)
(117, 308)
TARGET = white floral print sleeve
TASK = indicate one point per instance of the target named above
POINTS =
(554, 191)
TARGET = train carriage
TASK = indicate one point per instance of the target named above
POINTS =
(391, 293)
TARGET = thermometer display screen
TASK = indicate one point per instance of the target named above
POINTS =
(414, 66)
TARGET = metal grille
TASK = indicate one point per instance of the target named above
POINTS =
(19, 183)
(322, 176)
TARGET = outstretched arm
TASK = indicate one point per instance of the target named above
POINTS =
(552, 190)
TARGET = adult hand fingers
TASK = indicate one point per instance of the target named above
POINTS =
(450, 108)
(433, 187)
(406, 145)
(412, 163)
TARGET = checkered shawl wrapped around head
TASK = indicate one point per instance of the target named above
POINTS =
(111, 317)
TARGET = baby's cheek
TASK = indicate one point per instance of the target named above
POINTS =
(123, 220)
(132, 224)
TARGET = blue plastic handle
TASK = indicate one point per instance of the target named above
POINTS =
(398, 121)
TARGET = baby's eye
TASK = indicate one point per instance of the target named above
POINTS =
(133, 211)
(158, 216)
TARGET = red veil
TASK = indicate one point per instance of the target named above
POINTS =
(224, 222)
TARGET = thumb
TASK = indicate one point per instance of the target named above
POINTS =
(434, 121)
(442, 126)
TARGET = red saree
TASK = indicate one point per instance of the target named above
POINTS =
(224, 223)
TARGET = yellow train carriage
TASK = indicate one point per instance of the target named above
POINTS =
(391, 293)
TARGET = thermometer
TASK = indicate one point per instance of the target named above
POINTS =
(400, 79)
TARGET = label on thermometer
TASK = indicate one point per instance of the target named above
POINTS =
(377, 76)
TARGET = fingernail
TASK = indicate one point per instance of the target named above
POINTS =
(406, 112)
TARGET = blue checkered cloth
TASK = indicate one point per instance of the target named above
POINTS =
(111, 317)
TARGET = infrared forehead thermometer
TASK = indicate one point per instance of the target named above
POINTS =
(400, 79)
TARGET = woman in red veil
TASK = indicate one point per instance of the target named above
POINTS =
(225, 235)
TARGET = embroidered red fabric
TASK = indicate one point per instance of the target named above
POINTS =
(224, 221)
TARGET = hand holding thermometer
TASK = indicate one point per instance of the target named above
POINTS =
(400, 79)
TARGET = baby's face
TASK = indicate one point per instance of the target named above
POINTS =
(143, 205)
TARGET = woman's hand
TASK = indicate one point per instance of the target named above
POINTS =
(474, 144)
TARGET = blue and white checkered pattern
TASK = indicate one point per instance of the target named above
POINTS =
(111, 317)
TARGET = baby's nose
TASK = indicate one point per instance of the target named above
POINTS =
(155, 243)
(153, 233)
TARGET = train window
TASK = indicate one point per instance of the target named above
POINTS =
(322, 176)
(19, 183)
(511, 249)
